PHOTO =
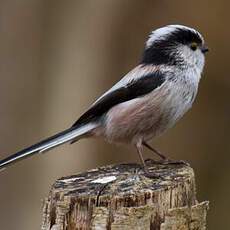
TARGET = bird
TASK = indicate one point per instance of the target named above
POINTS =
(146, 102)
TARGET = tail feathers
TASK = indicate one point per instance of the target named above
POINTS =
(73, 133)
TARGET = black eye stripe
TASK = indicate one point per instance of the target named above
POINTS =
(184, 36)
(159, 51)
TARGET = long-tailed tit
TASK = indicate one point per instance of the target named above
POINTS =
(146, 102)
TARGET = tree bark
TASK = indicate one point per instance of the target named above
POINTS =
(124, 197)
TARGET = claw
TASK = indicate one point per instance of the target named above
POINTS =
(169, 161)
(152, 161)
(166, 162)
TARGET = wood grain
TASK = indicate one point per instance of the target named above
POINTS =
(123, 197)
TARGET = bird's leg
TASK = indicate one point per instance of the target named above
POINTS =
(163, 157)
(146, 170)
(165, 160)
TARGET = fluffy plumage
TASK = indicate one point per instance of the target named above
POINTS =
(145, 102)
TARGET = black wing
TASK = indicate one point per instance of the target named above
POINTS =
(133, 89)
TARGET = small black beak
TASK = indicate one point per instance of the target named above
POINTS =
(204, 49)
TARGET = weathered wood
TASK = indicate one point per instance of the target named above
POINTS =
(122, 197)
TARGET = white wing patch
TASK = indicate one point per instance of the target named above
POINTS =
(134, 74)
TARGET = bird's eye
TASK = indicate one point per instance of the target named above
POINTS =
(194, 46)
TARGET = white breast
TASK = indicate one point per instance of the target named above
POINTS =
(182, 92)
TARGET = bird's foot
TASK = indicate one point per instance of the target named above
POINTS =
(166, 161)
(175, 162)
(151, 161)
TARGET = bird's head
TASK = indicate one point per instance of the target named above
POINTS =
(175, 45)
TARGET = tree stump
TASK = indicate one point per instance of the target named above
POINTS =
(122, 196)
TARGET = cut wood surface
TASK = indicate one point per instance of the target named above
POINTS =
(124, 197)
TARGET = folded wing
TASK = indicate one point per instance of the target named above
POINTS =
(121, 92)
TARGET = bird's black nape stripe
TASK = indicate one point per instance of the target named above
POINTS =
(161, 51)
(157, 55)
(132, 90)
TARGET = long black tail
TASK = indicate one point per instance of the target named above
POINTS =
(73, 133)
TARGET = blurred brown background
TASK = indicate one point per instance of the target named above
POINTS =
(58, 56)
